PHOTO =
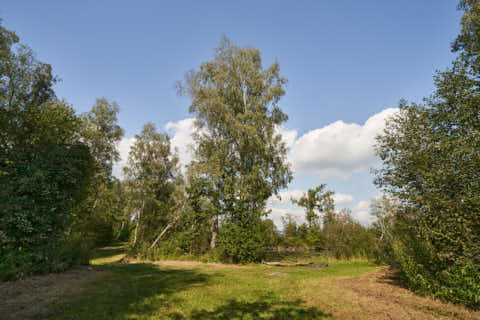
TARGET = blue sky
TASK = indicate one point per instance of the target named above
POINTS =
(346, 62)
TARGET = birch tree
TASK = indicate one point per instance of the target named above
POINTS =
(236, 104)
(154, 183)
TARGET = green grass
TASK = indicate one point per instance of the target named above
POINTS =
(148, 291)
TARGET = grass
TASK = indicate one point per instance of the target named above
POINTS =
(114, 289)
(193, 290)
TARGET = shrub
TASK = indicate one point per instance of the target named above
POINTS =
(40, 190)
(422, 269)
(242, 241)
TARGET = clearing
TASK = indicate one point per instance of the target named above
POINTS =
(110, 289)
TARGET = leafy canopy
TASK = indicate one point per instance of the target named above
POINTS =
(239, 154)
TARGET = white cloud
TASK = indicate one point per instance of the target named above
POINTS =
(277, 214)
(362, 205)
(182, 140)
(334, 151)
(338, 149)
(342, 199)
(124, 148)
(283, 206)
(285, 197)
(288, 136)
(361, 213)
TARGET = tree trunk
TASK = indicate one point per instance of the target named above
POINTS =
(138, 223)
(171, 224)
(213, 241)
(121, 229)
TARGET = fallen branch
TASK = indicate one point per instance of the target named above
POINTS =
(310, 264)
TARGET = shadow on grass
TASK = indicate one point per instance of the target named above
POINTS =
(148, 291)
(268, 307)
(128, 290)
(131, 290)
(236, 310)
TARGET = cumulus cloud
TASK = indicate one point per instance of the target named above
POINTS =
(284, 197)
(362, 214)
(342, 199)
(338, 149)
(277, 214)
(123, 148)
(181, 138)
(288, 136)
(334, 151)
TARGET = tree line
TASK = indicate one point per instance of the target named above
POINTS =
(59, 198)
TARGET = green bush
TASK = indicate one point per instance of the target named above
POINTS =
(242, 241)
(40, 188)
(56, 257)
(422, 269)
(458, 283)
(346, 238)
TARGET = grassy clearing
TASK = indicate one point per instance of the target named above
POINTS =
(195, 290)
(111, 289)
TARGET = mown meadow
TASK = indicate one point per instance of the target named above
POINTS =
(118, 288)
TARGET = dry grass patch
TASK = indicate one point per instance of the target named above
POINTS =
(37, 297)
(377, 296)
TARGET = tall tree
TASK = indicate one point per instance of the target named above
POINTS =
(315, 201)
(432, 166)
(467, 43)
(45, 168)
(101, 133)
(155, 185)
(25, 85)
(235, 101)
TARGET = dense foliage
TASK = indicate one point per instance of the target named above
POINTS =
(432, 169)
(154, 182)
(240, 160)
(104, 206)
(44, 166)
(50, 163)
